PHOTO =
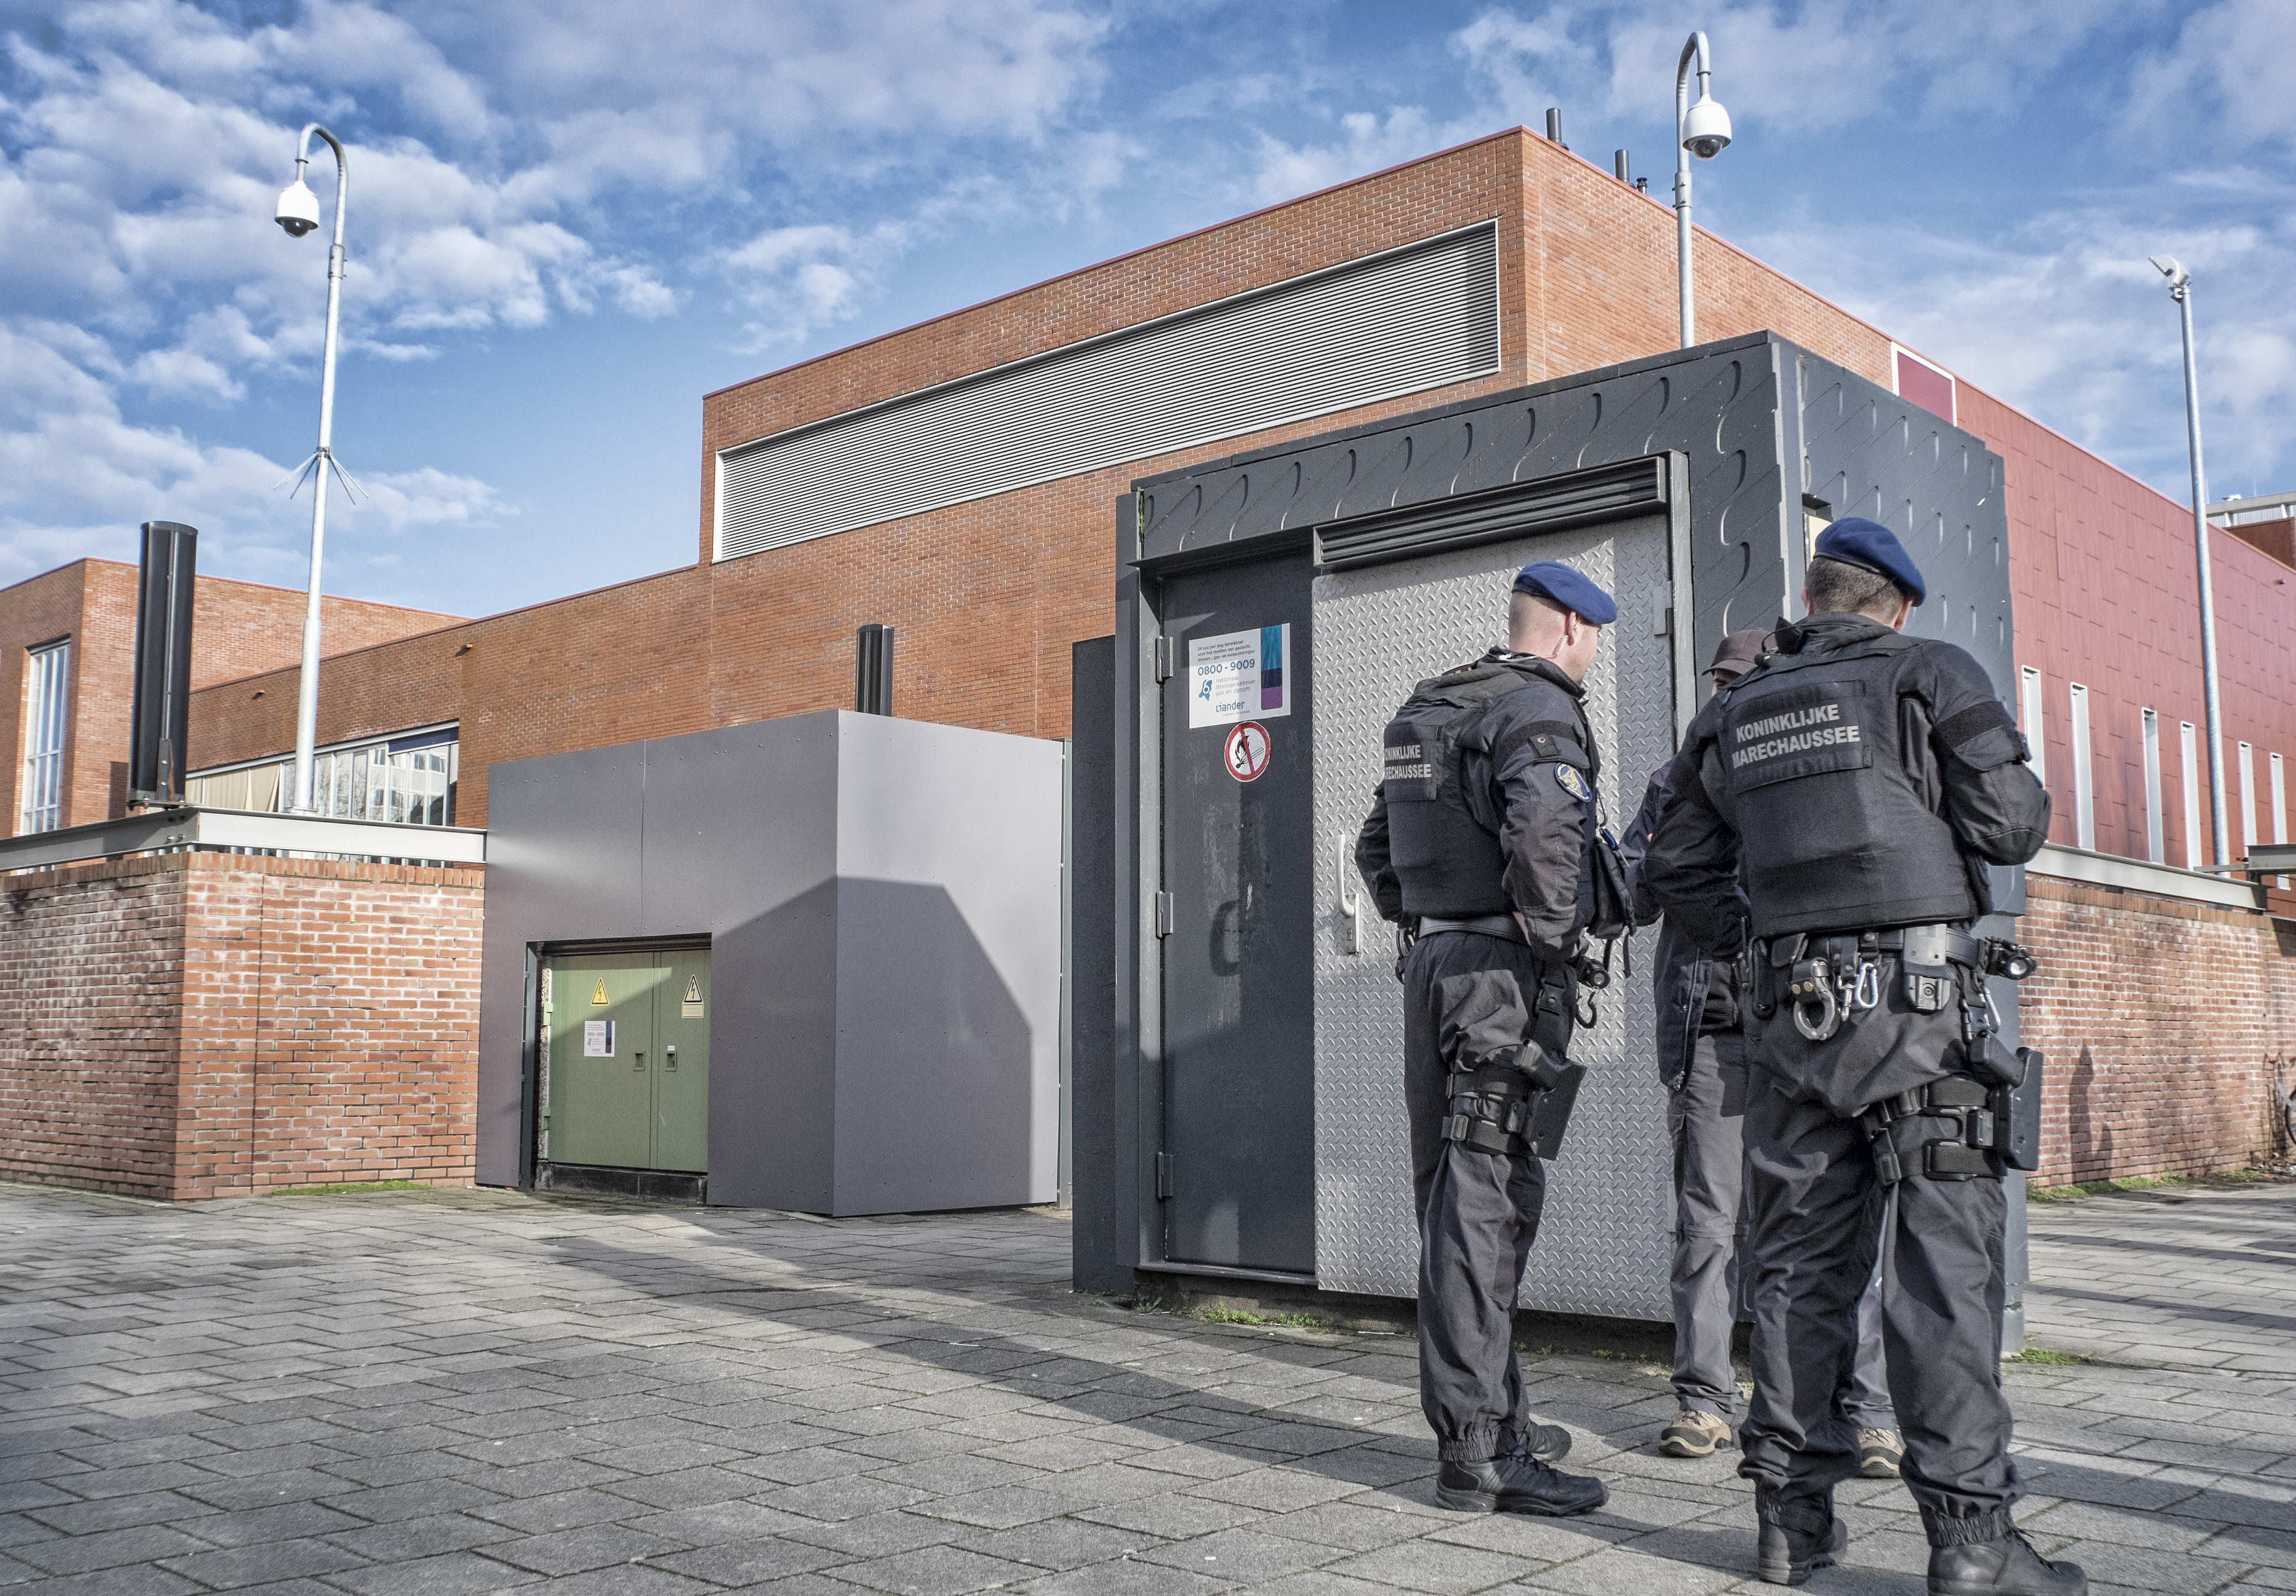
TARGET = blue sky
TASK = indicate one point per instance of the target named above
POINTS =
(569, 219)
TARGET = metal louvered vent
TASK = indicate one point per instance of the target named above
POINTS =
(1389, 324)
(1518, 510)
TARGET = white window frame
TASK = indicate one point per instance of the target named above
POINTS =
(2036, 726)
(2279, 808)
(2156, 840)
(2083, 798)
(2188, 737)
(2247, 797)
(47, 736)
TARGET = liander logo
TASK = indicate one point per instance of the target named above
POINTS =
(1819, 725)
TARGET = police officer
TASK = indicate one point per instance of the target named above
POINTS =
(1701, 1059)
(1856, 783)
(1482, 841)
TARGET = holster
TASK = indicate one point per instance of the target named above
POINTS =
(1517, 1106)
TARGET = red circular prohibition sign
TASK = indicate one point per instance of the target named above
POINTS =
(1248, 748)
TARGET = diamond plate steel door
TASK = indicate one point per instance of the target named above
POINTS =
(1604, 1242)
(1239, 1072)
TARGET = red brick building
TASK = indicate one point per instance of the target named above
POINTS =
(989, 588)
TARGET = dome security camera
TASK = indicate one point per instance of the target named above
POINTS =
(298, 210)
(1706, 129)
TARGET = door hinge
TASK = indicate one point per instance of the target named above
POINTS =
(1163, 1176)
(1163, 659)
(1163, 914)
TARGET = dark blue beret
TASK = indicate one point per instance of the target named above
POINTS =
(1870, 546)
(1552, 579)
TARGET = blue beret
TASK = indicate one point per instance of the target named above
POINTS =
(1870, 546)
(1553, 580)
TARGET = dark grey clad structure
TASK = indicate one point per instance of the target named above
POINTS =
(860, 919)
(1242, 1116)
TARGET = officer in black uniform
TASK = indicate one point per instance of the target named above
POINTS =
(1701, 1059)
(1482, 844)
(1857, 782)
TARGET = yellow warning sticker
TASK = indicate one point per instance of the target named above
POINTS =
(600, 995)
(690, 1009)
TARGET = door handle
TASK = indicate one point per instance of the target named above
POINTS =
(669, 1056)
(638, 1055)
(1350, 903)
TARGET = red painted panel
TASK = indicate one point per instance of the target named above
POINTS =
(2102, 572)
(1926, 385)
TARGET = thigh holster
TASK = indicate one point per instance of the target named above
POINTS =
(1960, 1128)
(1518, 1106)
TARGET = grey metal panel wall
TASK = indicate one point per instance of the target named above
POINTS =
(563, 852)
(1105, 1249)
(740, 842)
(948, 966)
(735, 833)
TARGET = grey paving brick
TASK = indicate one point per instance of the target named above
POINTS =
(270, 1560)
(107, 1549)
(751, 1562)
(934, 1571)
(455, 1573)
(1058, 1543)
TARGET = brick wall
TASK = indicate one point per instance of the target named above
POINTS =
(198, 1024)
(2159, 1018)
(238, 628)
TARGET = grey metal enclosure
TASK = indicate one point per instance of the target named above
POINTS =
(1239, 1108)
(864, 911)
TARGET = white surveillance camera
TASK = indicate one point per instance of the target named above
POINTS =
(2170, 267)
(1706, 129)
(297, 210)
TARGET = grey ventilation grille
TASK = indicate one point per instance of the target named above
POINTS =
(1391, 324)
(1518, 510)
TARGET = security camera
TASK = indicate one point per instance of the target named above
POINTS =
(298, 210)
(2170, 267)
(1706, 128)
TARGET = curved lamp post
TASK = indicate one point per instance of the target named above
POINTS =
(2180, 289)
(299, 212)
(1700, 129)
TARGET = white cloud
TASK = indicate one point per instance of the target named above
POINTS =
(510, 164)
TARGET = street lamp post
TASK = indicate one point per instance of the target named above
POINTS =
(299, 212)
(2180, 289)
(1703, 130)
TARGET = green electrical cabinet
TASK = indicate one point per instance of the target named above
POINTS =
(626, 1060)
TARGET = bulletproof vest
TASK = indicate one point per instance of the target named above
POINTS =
(1446, 858)
(1824, 763)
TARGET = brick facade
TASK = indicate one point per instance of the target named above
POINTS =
(988, 597)
(2161, 1019)
(238, 628)
(202, 1024)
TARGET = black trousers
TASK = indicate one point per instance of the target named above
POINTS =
(1817, 1224)
(1467, 995)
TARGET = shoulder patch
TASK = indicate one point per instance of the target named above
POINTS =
(1568, 778)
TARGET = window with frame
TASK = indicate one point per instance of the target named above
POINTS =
(47, 694)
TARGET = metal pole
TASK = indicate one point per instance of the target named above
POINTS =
(1695, 47)
(2183, 293)
(307, 702)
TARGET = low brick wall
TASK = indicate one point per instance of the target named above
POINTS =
(2160, 1018)
(200, 1024)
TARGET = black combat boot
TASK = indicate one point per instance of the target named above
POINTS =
(1547, 1443)
(1517, 1483)
(2008, 1567)
(1799, 1536)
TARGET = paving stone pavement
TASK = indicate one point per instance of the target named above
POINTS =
(403, 1393)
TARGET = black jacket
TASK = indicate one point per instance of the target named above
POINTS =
(1930, 734)
(1516, 791)
(1694, 991)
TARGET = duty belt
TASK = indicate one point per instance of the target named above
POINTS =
(1502, 927)
(1835, 974)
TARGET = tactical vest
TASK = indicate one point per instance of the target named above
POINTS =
(1448, 863)
(1835, 831)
